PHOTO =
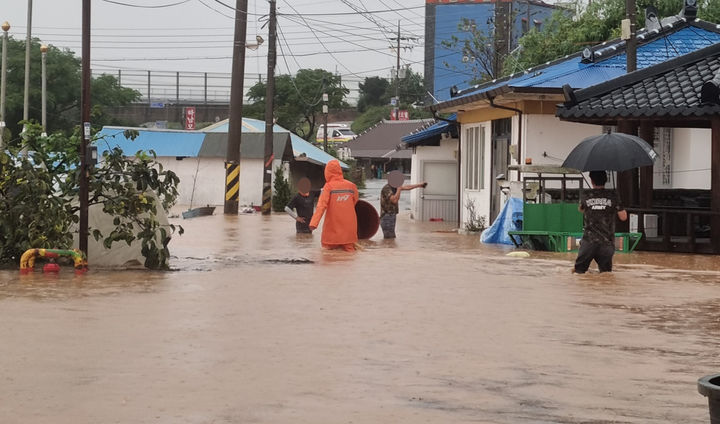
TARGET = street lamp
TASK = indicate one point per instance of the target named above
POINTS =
(44, 50)
(3, 80)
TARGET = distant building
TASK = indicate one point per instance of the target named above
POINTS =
(503, 22)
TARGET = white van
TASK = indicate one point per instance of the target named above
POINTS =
(336, 133)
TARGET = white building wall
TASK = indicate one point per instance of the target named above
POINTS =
(480, 197)
(446, 151)
(548, 140)
(210, 183)
(690, 158)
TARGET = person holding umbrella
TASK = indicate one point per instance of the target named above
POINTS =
(600, 208)
(612, 152)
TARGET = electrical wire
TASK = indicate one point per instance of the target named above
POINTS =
(215, 10)
(146, 7)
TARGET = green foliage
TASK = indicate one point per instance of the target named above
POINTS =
(63, 88)
(37, 195)
(281, 192)
(373, 92)
(372, 116)
(298, 99)
(564, 34)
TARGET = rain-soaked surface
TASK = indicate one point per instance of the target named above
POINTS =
(258, 325)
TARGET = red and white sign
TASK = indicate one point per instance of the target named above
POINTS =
(190, 118)
(403, 115)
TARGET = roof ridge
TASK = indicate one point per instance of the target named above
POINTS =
(633, 77)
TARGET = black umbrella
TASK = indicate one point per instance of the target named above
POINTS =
(610, 152)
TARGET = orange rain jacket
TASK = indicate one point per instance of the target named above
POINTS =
(338, 197)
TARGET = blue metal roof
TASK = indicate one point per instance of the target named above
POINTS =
(302, 148)
(433, 130)
(577, 74)
(188, 143)
(163, 142)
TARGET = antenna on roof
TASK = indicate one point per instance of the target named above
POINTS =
(433, 97)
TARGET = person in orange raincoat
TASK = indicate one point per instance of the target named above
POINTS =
(338, 198)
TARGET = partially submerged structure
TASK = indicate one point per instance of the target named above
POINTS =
(198, 158)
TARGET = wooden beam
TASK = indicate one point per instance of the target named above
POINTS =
(715, 184)
(647, 133)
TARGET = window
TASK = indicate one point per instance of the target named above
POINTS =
(525, 26)
(474, 158)
(538, 25)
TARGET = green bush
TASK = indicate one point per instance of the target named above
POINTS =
(282, 192)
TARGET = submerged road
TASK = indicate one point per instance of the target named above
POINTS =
(258, 325)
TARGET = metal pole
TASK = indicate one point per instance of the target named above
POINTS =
(43, 67)
(149, 101)
(325, 117)
(177, 87)
(232, 157)
(119, 76)
(85, 110)
(3, 81)
(206, 88)
(26, 95)
(397, 75)
(269, 122)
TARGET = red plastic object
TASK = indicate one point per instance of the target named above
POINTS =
(368, 220)
(51, 267)
(435, 219)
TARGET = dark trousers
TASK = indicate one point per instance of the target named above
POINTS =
(601, 253)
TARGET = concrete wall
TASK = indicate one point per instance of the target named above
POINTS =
(446, 151)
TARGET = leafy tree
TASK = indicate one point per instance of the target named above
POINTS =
(599, 21)
(63, 88)
(478, 51)
(282, 192)
(373, 92)
(37, 192)
(298, 99)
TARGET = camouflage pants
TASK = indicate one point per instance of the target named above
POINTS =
(387, 223)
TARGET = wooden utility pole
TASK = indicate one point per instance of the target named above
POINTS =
(269, 121)
(85, 139)
(232, 157)
(631, 41)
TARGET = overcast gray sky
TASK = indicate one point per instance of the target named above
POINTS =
(197, 34)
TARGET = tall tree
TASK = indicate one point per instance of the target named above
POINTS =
(298, 99)
(63, 88)
(373, 92)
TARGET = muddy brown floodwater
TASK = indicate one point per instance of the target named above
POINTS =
(257, 325)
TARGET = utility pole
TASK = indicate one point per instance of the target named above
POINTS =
(631, 40)
(43, 84)
(269, 121)
(232, 157)
(85, 139)
(3, 80)
(397, 75)
(28, 39)
(325, 118)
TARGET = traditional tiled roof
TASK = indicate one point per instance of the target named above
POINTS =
(677, 37)
(673, 89)
(382, 140)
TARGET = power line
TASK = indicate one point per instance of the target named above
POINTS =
(146, 7)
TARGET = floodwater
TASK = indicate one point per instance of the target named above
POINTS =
(258, 325)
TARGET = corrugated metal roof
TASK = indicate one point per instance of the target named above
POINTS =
(212, 142)
(163, 142)
(679, 37)
(433, 130)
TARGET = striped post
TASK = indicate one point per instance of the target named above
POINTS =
(232, 184)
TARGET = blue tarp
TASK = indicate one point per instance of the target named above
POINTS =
(509, 219)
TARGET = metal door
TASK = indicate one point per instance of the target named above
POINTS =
(439, 198)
